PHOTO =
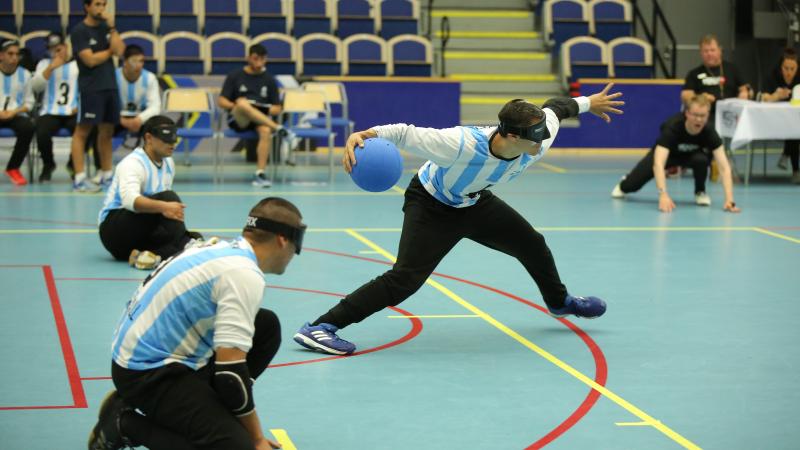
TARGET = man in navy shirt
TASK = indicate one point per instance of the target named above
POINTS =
(250, 95)
(94, 42)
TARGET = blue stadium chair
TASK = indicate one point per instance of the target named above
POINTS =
(336, 98)
(281, 52)
(564, 19)
(75, 14)
(319, 54)
(298, 102)
(41, 15)
(4, 35)
(150, 47)
(583, 57)
(410, 55)
(364, 54)
(178, 15)
(133, 15)
(610, 19)
(398, 17)
(354, 17)
(36, 42)
(226, 51)
(222, 16)
(267, 16)
(630, 58)
(311, 16)
(183, 53)
(186, 102)
(8, 17)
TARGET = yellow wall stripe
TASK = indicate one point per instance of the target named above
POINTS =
(496, 55)
(483, 13)
(542, 352)
(502, 77)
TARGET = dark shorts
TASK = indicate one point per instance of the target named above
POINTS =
(99, 107)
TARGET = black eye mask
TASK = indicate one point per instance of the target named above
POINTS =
(536, 133)
(294, 234)
(165, 133)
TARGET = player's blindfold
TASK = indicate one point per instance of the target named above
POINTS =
(165, 133)
(536, 133)
(294, 234)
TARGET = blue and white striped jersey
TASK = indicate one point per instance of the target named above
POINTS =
(137, 175)
(15, 90)
(460, 164)
(201, 299)
(139, 98)
(60, 96)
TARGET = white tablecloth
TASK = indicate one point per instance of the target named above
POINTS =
(744, 121)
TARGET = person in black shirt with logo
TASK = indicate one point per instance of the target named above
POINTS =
(251, 97)
(715, 79)
(94, 42)
(778, 88)
(687, 141)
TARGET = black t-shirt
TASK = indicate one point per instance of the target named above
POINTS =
(676, 139)
(260, 89)
(704, 79)
(776, 80)
(97, 78)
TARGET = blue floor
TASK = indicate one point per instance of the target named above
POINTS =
(697, 349)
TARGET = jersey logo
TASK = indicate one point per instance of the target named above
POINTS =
(264, 91)
(242, 88)
(92, 41)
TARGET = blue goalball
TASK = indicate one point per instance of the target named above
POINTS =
(378, 165)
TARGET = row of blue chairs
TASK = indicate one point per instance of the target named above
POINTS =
(603, 19)
(588, 57)
(314, 54)
(387, 18)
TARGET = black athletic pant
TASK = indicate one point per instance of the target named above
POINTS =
(182, 409)
(123, 231)
(698, 161)
(430, 230)
(791, 148)
(24, 128)
(46, 127)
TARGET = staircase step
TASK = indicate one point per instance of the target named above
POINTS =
(461, 20)
(497, 62)
(461, 4)
(508, 84)
(527, 45)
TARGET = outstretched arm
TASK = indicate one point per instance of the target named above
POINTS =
(600, 104)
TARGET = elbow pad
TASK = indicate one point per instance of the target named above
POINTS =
(234, 386)
(564, 107)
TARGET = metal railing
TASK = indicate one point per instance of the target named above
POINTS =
(651, 33)
(444, 35)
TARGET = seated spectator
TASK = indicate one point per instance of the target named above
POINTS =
(686, 140)
(714, 78)
(16, 101)
(142, 218)
(138, 90)
(778, 88)
(57, 78)
(251, 97)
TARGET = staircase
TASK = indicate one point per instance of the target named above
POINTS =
(496, 54)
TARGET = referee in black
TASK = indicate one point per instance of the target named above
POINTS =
(94, 42)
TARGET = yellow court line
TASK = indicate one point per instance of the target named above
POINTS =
(634, 424)
(541, 352)
(496, 55)
(777, 235)
(283, 438)
(552, 167)
(436, 316)
(398, 189)
(483, 13)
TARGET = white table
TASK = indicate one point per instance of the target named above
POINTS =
(745, 121)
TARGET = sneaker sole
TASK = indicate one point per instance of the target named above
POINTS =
(316, 346)
(104, 405)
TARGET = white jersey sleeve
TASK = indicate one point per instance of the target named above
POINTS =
(238, 294)
(440, 146)
(132, 175)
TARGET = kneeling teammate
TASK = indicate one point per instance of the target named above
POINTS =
(193, 337)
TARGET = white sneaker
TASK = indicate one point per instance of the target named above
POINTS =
(783, 162)
(261, 180)
(145, 260)
(702, 199)
(617, 192)
(197, 243)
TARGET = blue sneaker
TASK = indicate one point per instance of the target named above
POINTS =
(323, 338)
(85, 186)
(586, 307)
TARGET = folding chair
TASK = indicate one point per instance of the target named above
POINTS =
(300, 101)
(191, 103)
(336, 96)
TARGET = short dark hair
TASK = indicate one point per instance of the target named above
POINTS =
(257, 49)
(132, 50)
(519, 113)
(87, 2)
(789, 53)
(273, 208)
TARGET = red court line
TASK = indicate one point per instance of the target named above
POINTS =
(78, 395)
